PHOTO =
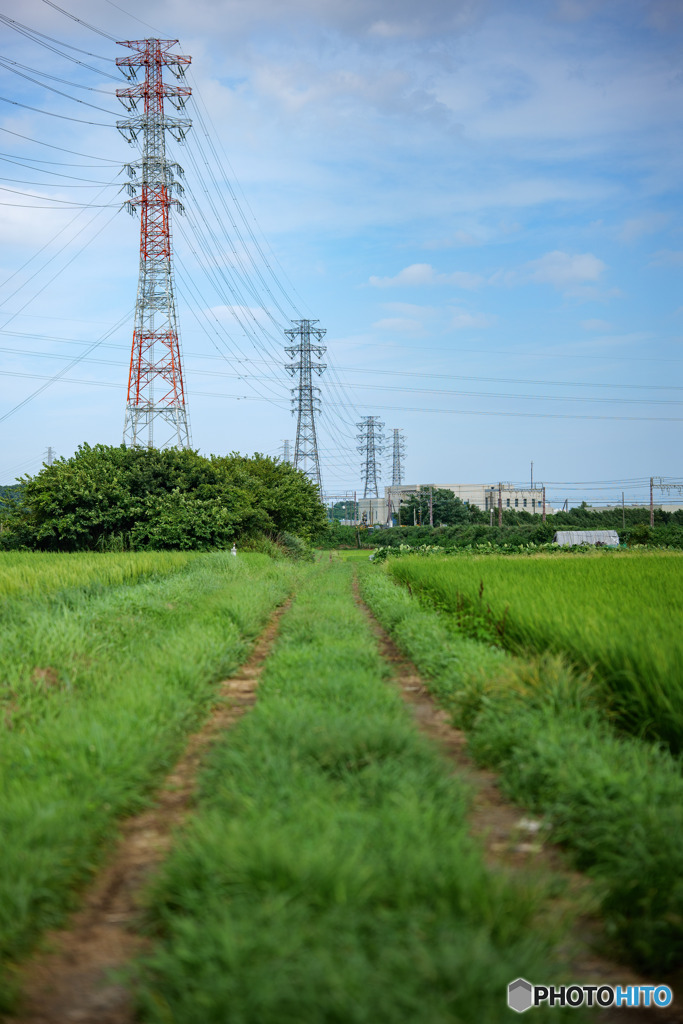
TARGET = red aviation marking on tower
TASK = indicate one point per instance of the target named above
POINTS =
(155, 354)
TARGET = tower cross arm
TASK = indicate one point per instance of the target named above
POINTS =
(142, 47)
(132, 93)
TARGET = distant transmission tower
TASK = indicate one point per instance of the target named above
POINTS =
(304, 398)
(399, 450)
(371, 446)
(286, 451)
(155, 382)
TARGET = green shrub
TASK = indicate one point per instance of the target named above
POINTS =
(116, 498)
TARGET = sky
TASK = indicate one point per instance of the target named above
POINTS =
(478, 200)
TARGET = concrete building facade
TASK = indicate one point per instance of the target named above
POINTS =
(384, 511)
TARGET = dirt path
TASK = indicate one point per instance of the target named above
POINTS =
(71, 982)
(511, 839)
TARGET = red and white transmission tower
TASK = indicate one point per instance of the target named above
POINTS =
(155, 380)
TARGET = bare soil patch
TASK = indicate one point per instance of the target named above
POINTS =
(514, 840)
(72, 981)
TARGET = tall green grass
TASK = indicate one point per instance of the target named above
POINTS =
(615, 801)
(27, 573)
(98, 694)
(328, 875)
(619, 617)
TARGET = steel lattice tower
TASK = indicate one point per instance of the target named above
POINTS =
(155, 381)
(399, 450)
(371, 446)
(304, 398)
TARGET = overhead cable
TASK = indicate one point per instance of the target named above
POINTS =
(51, 113)
(80, 21)
(54, 78)
(50, 145)
(52, 88)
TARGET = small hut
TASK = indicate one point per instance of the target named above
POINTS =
(600, 538)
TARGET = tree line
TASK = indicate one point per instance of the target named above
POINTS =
(116, 498)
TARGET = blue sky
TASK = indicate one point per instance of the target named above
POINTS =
(479, 201)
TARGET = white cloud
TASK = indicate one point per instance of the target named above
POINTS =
(463, 320)
(596, 325)
(666, 258)
(416, 274)
(576, 10)
(634, 228)
(398, 323)
(419, 274)
(408, 309)
(458, 238)
(565, 271)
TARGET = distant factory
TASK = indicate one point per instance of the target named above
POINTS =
(487, 497)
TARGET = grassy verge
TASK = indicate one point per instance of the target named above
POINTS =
(328, 875)
(29, 573)
(99, 692)
(620, 616)
(614, 801)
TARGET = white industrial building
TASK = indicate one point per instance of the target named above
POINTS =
(485, 496)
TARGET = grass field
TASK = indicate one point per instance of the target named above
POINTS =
(618, 616)
(26, 573)
(107, 663)
(615, 801)
(328, 875)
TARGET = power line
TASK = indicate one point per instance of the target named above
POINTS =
(534, 355)
(62, 373)
(55, 78)
(53, 199)
(11, 158)
(52, 88)
(67, 264)
(48, 184)
(51, 113)
(54, 256)
(38, 37)
(80, 22)
(50, 145)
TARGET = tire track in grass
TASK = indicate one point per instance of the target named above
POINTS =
(510, 839)
(71, 982)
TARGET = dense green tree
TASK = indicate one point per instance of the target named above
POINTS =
(447, 509)
(105, 496)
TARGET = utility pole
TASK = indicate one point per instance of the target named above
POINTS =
(500, 504)
(652, 503)
(371, 446)
(431, 505)
(532, 475)
(543, 502)
(156, 392)
(623, 512)
(305, 399)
